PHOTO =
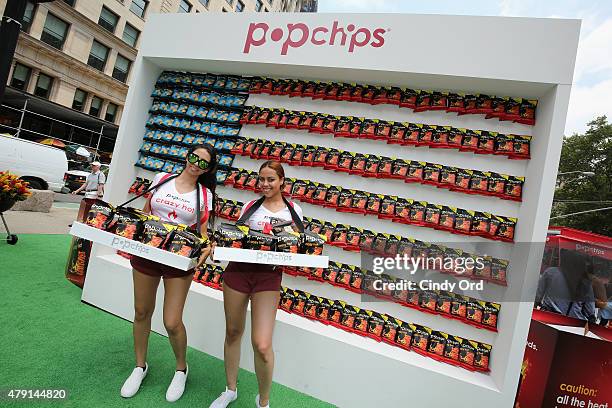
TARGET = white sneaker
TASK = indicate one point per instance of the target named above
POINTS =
(132, 384)
(227, 397)
(177, 386)
(257, 402)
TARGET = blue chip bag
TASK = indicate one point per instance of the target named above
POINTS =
(199, 140)
(155, 148)
(174, 150)
(232, 131)
(173, 107)
(188, 139)
(149, 162)
(233, 117)
(142, 161)
(185, 95)
(202, 112)
(178, 168)
(183, 151)
(176, 94)
(182, 109)
(228, 144)
(158, 164)
(156, 93)
(220, 82)
(167, 93)
(164, 150)
(212, 114)
(151, 120)
(185, 124)
(214, 129)
(196, 126)
(205, 128)
(244, 84)
(232, 83)
(178, 137)
(167, 121)
(226, 160)
(222, 116)
(168, 167)
(221, 176)
(213, 98)
(203, 97)
(167, 136)
(192, 111)
(210, 80)
(219, 144)
(158, 135)
(197, 80)
(224, 100)
(149, 134)
(194, 96)
(146, 146)
(210, 140)
(154, 106)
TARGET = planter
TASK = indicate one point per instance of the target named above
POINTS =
(6, 204)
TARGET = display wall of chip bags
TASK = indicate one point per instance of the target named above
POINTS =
(190, 109)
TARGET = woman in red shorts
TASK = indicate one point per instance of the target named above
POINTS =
(175, 199)
(259, 283)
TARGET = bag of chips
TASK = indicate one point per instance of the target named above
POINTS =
(311, 243)
(100, 215)
(376, 323)
(390, 329)
(156, 233)
(338, 237)
(475, 310)
(349, 314)
(499, 271)
(287, 299)
(482, 356)
(415, 172)
(361, 322)
(486, 142)
(420, 338)
(231, 236)
(398, 133)
(490, 315)
(310, 308)
(324, 310)
(439, 138)
(185, 243)
(287, 242)
(332, 160)
(521, 147)
(452, 349)
(437, 344)
(459, 306)
(344, 274)
(128, 223)
(506, 228)
(367, 240)
(299, 302)
(467, 353)
(335, 313)
(259, 241)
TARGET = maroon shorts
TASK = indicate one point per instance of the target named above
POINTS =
(156, 269)
(251, 277)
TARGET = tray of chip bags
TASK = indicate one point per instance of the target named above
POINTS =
(121, 243)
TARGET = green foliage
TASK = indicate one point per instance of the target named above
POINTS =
(591, 151)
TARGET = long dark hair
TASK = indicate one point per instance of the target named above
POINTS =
(209, 178)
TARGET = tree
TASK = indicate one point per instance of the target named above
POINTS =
(591, 151)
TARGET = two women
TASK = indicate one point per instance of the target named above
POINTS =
(242, 282)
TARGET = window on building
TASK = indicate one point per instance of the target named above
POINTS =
(205, 3)
(239, 6)
(108, 19)
(122, 68)
(98, 55)
(21, 77)
(258, 5)
(55, 31)
(184, 6)
(78, 102)
(139, 7)
(111, 112)
(96, 106)
(130, 35)
(43, 86)
(69, 2)
(28, 16)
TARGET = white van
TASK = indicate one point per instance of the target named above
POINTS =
(41, 165)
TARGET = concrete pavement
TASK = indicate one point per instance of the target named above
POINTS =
(64, 210)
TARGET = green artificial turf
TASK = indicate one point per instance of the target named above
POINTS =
(50, 340)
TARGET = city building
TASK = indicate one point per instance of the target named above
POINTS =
(72, 65)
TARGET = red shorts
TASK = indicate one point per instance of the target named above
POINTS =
(251, 277)
(156, 269)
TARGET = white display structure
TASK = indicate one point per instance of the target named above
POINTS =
(519, 57)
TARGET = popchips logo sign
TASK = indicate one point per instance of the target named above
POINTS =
(296, 35)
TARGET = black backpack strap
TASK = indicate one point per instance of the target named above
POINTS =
(161, 183)
(250, 211)
(255, 206)
(198, 209)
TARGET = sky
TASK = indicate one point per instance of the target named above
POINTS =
(592, 88)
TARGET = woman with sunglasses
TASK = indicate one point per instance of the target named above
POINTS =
(258, 282)
(175, 200)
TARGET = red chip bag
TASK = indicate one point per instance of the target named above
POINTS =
(408, 98)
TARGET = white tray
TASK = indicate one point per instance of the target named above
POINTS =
(131, 247)
(270, 257)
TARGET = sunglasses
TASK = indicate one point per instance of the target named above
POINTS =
(195, 159)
